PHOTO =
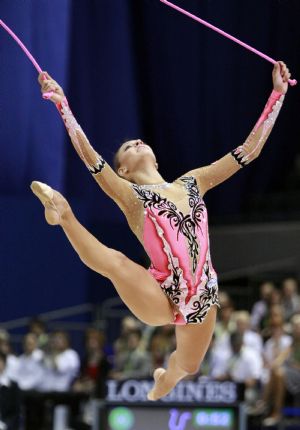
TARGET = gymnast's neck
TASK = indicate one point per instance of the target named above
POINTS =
(147, 175)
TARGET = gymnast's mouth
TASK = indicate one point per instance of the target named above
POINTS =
(141, 146)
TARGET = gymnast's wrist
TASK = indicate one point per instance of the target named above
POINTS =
(62, 102)
(277, 92)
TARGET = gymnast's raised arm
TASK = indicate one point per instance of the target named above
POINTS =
(216, 173)
(114, 186)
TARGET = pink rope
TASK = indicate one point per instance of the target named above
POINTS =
(292, 82)
(29, 55)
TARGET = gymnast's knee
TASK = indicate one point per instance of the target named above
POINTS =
(109, 266)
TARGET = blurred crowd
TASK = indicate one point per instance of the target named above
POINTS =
(258, 347)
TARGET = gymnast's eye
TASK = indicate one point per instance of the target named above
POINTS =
(126, 147)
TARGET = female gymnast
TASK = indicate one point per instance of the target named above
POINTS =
(170, 221)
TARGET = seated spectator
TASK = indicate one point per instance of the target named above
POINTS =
(61, 364)
(12, 361)
(9, 399)
(251, 339)
(290, 298)
(128, 324)
(30, 378)
(278, 342)
(242, 365)
(30, 370)
(275, 313)
(95, 366)
(132, 361)
(38, 327)
(260, 308)
(224, 327)
(162, 343)
(285, 376)
(224, 299)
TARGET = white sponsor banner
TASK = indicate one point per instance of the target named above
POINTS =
(135, 391)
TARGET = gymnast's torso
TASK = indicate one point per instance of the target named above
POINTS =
(170, 220)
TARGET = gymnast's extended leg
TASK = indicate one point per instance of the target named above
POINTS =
(136, 287)
(192, 343)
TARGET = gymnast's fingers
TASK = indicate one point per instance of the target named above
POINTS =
(49, 86)
(287, 76)
(45, 85)
(46, 74)
(276, 67)
(41, 77)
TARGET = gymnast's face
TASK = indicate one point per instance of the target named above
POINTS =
(132, 155)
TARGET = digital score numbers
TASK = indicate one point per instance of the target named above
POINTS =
(140, 418)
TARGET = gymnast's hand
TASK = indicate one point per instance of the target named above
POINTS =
(281, 75)
(50, 85)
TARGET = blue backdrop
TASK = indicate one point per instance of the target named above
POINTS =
(130, 68)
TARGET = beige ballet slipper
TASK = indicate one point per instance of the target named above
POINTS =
(46, 195)
(42, 191)
(156, 376)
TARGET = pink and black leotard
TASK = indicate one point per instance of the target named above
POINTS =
(176, 240)
(170, 220)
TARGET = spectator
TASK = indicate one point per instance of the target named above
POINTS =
(9, 399)
(285, 376)
(224, 327)
(162, 343)
(260, 308)
(61, 364)
(12, 361)
(251, 339)
(291, 298)
(38, 327)
(275, 313)
(278, 342)
(242, 365)
(30, 370)
(30, 377)
(128, 325)
(224, 299)
(132, 361)
(273, 348)
(95, 366)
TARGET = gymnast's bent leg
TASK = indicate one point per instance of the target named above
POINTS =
(135, 286)
(192, 343)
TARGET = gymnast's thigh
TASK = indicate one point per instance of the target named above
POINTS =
(142, 293)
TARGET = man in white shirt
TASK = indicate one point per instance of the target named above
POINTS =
(30, 371)
(9, 398)
(242, 365)
(61, 364)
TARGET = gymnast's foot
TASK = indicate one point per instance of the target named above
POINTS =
(56, 206)
(161, 386)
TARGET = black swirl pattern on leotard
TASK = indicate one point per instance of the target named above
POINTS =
(201, 306)
(185, 224)
(173, 290)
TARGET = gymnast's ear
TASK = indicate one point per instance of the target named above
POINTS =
(122, 171)
(156, 165)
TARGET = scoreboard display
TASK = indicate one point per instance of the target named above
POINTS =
(171, 418)
(192, 405)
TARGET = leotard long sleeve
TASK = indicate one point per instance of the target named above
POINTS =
(216, 173)
(114, 186)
